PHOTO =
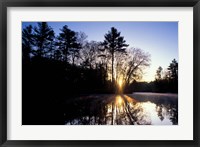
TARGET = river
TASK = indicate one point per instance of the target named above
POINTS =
(123, 109)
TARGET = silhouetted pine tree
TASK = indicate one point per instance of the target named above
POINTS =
(27, 42)
(43, 38)
(68, 44)
(114, 43)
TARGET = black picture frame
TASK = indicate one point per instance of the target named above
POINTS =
(4, 4)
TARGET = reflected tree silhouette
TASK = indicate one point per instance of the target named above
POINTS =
(122, 110)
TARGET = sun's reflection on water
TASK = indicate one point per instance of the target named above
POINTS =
(119, 100)
(124, 110)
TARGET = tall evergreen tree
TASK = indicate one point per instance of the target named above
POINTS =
(173, 70)
(159, 73)
(27, 42)
(114, 43)
(68, 44)
(44, 35)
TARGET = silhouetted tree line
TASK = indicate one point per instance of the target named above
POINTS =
(165, 81)
(85, 66)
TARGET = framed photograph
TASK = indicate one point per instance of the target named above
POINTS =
(99, 73)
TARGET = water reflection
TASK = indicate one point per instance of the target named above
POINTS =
(118, 110)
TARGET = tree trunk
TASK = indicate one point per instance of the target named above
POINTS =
(73, 58)
(66, 55)
(113, 68)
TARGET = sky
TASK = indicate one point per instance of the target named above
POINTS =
(159, 39)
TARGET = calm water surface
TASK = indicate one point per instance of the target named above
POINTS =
(132, 109)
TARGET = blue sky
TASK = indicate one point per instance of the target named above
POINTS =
(160, 39)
